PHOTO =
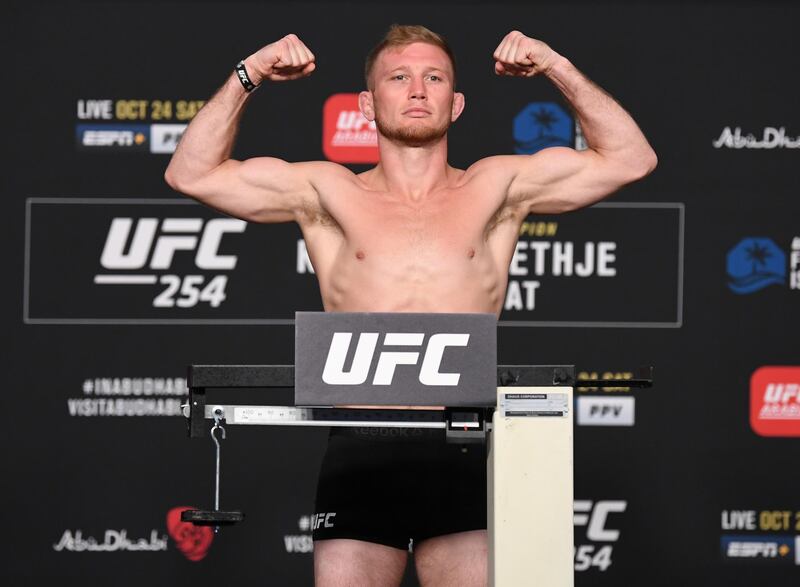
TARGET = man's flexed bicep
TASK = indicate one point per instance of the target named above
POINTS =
(262, 189)
(560, 179)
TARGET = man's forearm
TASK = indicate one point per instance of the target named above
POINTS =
(208, 140)
(607, 127)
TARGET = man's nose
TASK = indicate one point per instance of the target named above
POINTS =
(417, 89)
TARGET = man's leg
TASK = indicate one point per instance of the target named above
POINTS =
(355, 563)
(457, 560)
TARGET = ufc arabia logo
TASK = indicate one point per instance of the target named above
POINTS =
(429, 374)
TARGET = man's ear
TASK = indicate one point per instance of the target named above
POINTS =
(458, 106)
(366, 105)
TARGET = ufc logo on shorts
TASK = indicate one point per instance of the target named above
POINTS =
(176, 234)
(334, 373)
(323, 520)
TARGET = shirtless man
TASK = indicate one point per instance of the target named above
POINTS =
(413, 234)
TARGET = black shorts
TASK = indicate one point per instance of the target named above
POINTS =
(394, 485)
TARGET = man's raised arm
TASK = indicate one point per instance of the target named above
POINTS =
(559, 179)
(262, 189)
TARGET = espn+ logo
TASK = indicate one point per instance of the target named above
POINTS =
(387, 361)
(141, 248)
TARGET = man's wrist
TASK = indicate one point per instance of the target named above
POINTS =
(558, 64)
(252, 71)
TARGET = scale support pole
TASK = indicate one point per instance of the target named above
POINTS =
(530, 488)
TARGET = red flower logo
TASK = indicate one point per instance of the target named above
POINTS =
(193, 541)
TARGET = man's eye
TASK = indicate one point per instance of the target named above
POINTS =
(435, 78)
(399, 76)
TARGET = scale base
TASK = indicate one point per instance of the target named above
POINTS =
(211, 518)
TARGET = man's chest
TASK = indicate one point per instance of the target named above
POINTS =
(447, 218)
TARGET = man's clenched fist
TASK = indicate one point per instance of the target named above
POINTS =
(522, 56)
(280, 61)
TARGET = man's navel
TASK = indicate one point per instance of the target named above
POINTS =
(471, 253)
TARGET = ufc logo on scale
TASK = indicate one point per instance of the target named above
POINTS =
(429, 374)
(389, 359)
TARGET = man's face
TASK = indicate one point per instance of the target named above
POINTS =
(412, 99)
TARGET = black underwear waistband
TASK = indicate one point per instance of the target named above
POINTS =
(389, 434)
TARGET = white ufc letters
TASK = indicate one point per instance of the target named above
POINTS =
(429, 374)
(164, 247)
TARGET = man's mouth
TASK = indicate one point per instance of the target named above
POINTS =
(416, 112)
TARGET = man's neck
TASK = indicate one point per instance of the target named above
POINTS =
(412, 172)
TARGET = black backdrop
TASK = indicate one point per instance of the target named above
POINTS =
(95, 454)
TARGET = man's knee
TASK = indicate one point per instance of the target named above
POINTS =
(347, 563)
(454, 559)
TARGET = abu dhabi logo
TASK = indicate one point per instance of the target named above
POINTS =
(754, 263)
(540, 125)
(771, 138)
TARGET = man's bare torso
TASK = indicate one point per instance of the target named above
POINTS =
(446, 251)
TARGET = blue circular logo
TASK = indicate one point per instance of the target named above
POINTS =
(755, 263)
(540, 125)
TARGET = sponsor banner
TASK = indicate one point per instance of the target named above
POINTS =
(347, 137)
(775, 401)
(144, 261)
(757, 262)
(769, 137)
(147, 261)
(580, 269)
(605, 411)
(129, 397)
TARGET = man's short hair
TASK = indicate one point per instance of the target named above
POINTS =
(400, 35)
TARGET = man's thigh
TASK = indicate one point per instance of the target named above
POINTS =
(460, 560)
(347, 563)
